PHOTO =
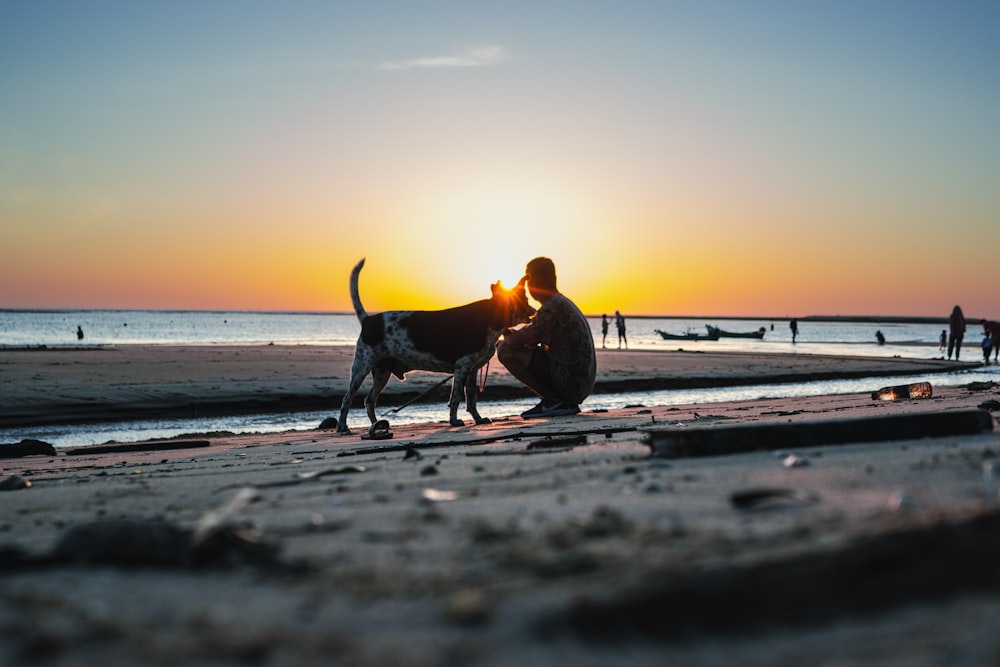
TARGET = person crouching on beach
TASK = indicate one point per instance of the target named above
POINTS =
(554, 354)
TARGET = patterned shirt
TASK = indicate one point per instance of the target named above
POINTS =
(564, 331)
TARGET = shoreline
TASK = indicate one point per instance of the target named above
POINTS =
(45, 386)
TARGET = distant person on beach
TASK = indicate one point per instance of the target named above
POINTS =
(987, 347)
(79, 333)
(794, 326)
(554, 354)
(605, 324)
(943, 340)
(992, 329)
(620, 324)
(956, 332)
(880, 337)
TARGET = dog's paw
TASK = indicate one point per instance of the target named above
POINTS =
(457, 422)
(483, 420)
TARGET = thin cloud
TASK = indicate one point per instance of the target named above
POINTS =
(486, 56)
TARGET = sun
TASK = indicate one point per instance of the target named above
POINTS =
(495, 231)
(448, 248)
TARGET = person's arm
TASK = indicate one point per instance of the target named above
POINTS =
(524, 336)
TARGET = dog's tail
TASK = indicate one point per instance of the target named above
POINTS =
(355, 295)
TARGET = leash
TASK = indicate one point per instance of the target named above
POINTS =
(418, 397)
(483, 372)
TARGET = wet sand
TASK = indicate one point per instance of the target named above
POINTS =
(517, 542)
(74, 385)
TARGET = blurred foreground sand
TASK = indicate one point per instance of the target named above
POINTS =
(513, 543)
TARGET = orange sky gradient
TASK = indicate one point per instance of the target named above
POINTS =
(767, 160)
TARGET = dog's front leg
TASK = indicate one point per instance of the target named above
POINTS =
(457, 389)
(471, 398)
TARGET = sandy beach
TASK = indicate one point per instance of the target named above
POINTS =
(58, 385)
(591, 539)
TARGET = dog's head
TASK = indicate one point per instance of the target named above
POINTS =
(514, 302)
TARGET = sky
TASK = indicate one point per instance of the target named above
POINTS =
(763, 158)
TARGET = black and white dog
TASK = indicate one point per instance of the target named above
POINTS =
(455, 340)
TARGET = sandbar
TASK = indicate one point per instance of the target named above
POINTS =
(91, 384)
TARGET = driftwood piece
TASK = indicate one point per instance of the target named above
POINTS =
(138, 447)
(674, 442)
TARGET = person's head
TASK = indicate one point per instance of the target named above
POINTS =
(541, 274)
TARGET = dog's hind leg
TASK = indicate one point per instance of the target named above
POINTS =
(345, 407)
(359, 371)
(380, 378)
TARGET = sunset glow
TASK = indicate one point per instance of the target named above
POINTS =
(745, 159)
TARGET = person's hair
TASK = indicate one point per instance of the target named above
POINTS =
(542, 273)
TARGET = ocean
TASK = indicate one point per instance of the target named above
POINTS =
(167, 327)
(58, 328)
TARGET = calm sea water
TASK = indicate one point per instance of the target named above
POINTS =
(145, 327)
(157, 327)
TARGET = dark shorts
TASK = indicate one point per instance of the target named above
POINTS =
(540, 368)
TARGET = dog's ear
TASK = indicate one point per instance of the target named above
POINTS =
(498, 288)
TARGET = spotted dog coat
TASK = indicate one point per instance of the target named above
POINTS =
(455, 340)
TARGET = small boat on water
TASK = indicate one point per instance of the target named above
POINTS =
(688, 336)
(759, 333)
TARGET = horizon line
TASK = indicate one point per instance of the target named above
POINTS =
(812, 318)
